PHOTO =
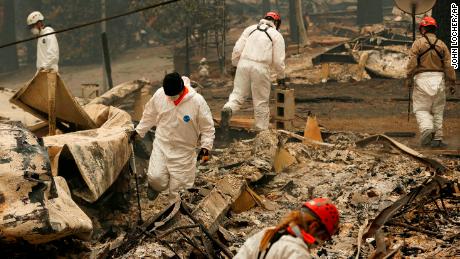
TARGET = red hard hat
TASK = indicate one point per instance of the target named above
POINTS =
(428, 21)
(326, 212)
(273, 15)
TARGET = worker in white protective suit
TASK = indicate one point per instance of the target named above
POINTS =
(259, 48)
(182, 119)
(300, 231)
(429, 67)
(47, 46)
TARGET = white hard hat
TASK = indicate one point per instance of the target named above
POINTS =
(34, 17)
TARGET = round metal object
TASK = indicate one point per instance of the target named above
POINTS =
(421, 6)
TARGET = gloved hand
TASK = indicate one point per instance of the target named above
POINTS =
(233, 71)
(203, 156)
(281, 82)
(133, 136)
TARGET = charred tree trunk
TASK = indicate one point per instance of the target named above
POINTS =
(293, 28)
(370, 12)
(300, 24)
(8, 56)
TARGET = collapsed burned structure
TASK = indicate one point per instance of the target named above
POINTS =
(75, 193)
(393, 200)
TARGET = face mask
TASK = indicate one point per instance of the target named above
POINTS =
(35, 31)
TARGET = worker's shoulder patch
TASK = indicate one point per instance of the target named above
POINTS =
(187, 118)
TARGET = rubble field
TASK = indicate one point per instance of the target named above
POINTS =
(362, 181)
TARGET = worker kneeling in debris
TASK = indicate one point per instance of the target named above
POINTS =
(47, 46)
(260, 47)
(182, 117)
(300, 231)
(429, 66)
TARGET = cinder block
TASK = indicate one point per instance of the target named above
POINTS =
(285, 104)
(284, 124)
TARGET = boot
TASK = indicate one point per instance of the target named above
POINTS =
(152, 194)
(426, 138)
(437, 144)
(225, 116)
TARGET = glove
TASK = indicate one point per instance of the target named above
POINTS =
(281, 82)
(203, 156)
(233, 71)
(133, 136)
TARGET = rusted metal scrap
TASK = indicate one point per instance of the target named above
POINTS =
(440, 168)
(203, 221)
(429, 190)
(149, 228)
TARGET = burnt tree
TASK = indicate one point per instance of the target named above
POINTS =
(8, 56)
(293, 27)
(370, 12)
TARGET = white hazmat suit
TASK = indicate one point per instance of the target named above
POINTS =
(178, 131)
(286, 247)
(47, 51)
(258, 49)
(429, 99)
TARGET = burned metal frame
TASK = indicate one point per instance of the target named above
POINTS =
(341, 53)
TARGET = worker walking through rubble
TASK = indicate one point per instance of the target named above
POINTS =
(260, 47)
(47, 46)
(300, 231)
(182, 117)
(429, 67)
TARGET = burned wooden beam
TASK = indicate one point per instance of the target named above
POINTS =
(326, 99)
(213, 208)
(333, 58)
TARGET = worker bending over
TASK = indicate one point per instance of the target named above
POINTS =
(182, 118)
(47, 46)
(259, 48)
(429, 67)
(300, 231)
